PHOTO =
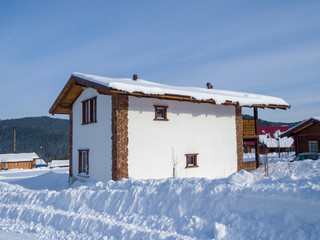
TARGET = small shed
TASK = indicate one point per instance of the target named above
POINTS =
(40, 163)
(306, 135)
(18, 160)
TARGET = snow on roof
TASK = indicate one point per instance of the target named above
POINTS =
(269, 136)
(299, 124)
(18, 157)
(147, 87)
(40, 162)
(58, 163)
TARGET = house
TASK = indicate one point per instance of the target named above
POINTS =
(18, 160)
(121, 127)
(40, 163)
(270, 140)
(306, 135)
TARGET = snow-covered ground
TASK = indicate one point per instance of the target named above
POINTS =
(38, 204)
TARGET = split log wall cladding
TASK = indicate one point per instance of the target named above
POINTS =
(120, 104)
(240, 163)
(303, 143)
(18, 165)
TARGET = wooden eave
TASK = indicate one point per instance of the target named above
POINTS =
(70, 93)
(75, 85)
(295, 130)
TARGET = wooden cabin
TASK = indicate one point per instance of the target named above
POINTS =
(18, 161)
(306, 135)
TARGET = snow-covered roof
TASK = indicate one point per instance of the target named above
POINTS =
(40, 162)
(146, 88)
(268, 135)
(58, 163)
(18, 157)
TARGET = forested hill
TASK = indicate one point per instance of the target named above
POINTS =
(264, 123)
(52, 135)
(48, 137)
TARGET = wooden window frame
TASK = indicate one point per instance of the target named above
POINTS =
(195, 155)
(165, 118)
(25, 163)
(16, 164)
(80, 165)
(313, 142)
(89, 111)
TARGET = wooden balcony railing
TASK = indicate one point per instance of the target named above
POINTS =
(248, 127)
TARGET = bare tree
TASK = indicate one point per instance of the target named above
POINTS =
(174, 162)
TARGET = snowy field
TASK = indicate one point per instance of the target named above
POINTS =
(39, 204)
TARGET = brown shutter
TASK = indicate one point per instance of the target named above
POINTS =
(83, 112)
(91, 110)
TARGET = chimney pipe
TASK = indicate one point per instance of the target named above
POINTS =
(209, 85)
(135, 77)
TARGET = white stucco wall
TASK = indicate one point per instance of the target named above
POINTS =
(192, 128)
(94, 136)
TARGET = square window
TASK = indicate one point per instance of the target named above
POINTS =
(313, 146)
(25, 163)
(191, 160)
(15, 164)
(161, 113)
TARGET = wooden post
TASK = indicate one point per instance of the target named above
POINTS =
(296, 145)
(255, 113)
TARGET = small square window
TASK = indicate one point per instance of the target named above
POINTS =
(15, 164)
(313, 146)
(161, 113)
(191, 160)
(25, 163)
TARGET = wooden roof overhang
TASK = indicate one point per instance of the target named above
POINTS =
(75, 86)
(298, 128)
(71, 91)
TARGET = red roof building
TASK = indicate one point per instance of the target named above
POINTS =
(268, 138)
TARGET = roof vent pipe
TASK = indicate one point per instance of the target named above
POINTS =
(135, 77)
(209, 85)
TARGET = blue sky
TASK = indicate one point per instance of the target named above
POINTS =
(266, 47)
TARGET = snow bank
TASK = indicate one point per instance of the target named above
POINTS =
(243, 206)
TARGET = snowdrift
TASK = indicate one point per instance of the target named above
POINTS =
(285, 205)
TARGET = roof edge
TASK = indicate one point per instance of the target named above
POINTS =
(300, 127)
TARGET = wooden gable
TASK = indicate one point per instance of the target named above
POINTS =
(310, 127)
(71, 91)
